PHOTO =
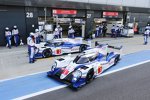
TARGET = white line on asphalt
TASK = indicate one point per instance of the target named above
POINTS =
(42, 92)
(13, 52)
(23, 76)
(63, 86)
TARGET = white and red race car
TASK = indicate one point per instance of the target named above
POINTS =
(79, 70)
(59, 47)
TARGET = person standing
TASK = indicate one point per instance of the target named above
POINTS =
(146, 34)
(117, 31)
(37, 36)
(100, 30)
(71, 32)
(8, 36)
(31, 47)
(56, 33)
(104, 30)
(97, 31)
(60, 31)
(147, 27)
(113, 33)
(15, 33)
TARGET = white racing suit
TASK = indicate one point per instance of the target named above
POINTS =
(15, 33)
(31, 49)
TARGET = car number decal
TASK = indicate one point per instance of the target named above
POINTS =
(58, 51)
(99, 69)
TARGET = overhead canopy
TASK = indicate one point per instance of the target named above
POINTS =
(82, 4)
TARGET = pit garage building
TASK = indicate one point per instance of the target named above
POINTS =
(82, 14)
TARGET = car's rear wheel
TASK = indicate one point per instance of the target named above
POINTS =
(47, 53)
(89, 76)
(82, 48)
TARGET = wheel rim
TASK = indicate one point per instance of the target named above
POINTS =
(47, 53)
(82, 49)
(89, 76)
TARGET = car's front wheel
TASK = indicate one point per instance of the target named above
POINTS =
(117, 59)
(47, 53)
(90, 75)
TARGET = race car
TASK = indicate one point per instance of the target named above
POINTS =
(80, 70)
(59, 47)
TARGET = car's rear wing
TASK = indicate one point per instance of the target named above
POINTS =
(109, 46)
(113, 48)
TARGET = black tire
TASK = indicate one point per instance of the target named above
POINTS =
(47, 53)
(82, 48)
(117, 59)
(89, 76)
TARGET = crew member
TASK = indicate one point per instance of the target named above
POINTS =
(37, 36)
(8, 37)
(60, 31)
(117, 31)
(56, 33)
(113, 33)
(100, 30)
(31, 47)
(71, 32)
(104, 30)
(97, 31)
(146, 34)
(147, 27)
(15, 33)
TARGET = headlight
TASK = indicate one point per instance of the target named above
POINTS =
(53, 66)
(76, 75)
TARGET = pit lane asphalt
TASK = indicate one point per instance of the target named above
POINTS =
(130, 84)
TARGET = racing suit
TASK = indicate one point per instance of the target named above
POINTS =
(37, 37)
(56, 33)
(31, 49)
(71, 33)
(146, 34)
(15, 33)
(97, 32)
(100, 30)
(8, 38)
(60, 32)
(113, 33)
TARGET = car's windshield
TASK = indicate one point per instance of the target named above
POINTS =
(81, 60)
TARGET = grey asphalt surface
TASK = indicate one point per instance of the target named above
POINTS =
(129, 84)
(14, 62)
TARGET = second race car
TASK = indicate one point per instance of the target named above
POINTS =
(59, 47)
(79, 70)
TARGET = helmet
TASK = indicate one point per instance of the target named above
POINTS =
(70, 26)
(56, 29)
(15, 26)
(36, 30)
(31, 34)
(7, 28)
